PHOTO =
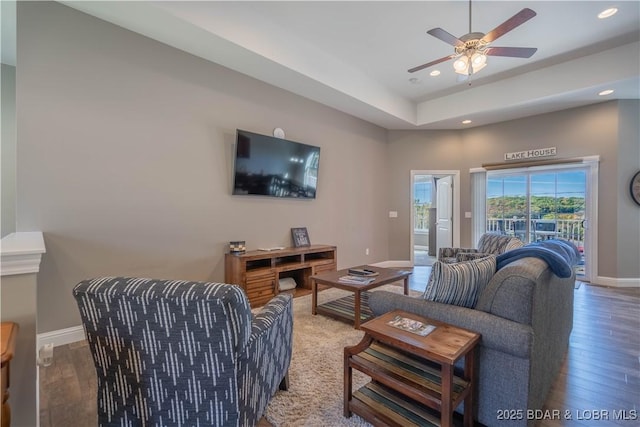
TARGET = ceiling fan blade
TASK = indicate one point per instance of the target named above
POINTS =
(518, 19)
(446, 37)
(515, 52)
(429, 64)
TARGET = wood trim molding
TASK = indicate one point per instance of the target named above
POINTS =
(21, 253)
(527, 164)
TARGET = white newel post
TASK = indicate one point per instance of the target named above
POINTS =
(20, 262)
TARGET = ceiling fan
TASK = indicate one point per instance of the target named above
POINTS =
(472, 49)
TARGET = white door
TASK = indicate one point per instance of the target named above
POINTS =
(444, 210)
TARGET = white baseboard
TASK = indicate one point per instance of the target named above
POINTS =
(60, 337)
(617, 282)
(387, 264)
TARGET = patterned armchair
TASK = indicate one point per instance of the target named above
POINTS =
(489, 243)
(178, 353)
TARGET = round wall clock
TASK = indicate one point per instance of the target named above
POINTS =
(634, 188)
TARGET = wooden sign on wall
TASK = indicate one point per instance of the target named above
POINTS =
(531, 154)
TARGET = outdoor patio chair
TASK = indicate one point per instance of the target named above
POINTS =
(489, 244)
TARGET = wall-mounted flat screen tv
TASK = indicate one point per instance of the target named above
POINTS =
(269, 166)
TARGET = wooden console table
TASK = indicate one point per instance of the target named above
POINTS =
(8, 335)
(259, 272)
(412, 376)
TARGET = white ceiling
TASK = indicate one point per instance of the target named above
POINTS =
(354, 55)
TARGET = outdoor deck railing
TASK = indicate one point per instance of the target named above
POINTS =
(568, 229)
(420, 218)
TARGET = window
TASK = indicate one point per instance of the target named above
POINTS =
(422, 193)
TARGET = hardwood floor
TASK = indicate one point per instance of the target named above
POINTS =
(600, 377)
(598, 385)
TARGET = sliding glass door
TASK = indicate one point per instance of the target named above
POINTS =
(539, 205)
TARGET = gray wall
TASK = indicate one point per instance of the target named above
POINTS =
(416, 150)
(628, 214)
(609, 130)
(18, 304)
(8, 150)
(125, 159)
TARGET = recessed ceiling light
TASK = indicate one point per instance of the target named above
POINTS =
(414, 81)
(606, 92)
(607, 13)
(434, 73)
(466, 122)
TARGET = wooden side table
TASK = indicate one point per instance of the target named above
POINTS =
(412, 377)
(8, 333)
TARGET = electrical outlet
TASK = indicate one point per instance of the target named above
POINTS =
(46, 354)
(366, 251)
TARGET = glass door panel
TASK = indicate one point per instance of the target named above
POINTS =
(571, 208)
(537, 206)
(507, 205)
(542, 207)
(423, 219)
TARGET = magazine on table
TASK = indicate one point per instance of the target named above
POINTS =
(410, 325)
(362, 272)
(359, 280)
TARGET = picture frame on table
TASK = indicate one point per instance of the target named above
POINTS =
(300, 237)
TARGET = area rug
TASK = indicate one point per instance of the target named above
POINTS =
(316, 378)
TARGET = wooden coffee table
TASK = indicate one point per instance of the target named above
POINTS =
(412, 377)
(341, 309)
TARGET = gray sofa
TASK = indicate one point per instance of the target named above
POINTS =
(525, 316)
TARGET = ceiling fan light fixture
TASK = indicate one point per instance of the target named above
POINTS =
(478, 60)
(461, 64)
(470, 64)
(477, 68)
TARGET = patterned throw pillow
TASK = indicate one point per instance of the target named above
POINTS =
(460, 283)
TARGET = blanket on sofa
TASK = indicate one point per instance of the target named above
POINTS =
(560, 255)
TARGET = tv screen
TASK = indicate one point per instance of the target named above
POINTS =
(269, 166)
